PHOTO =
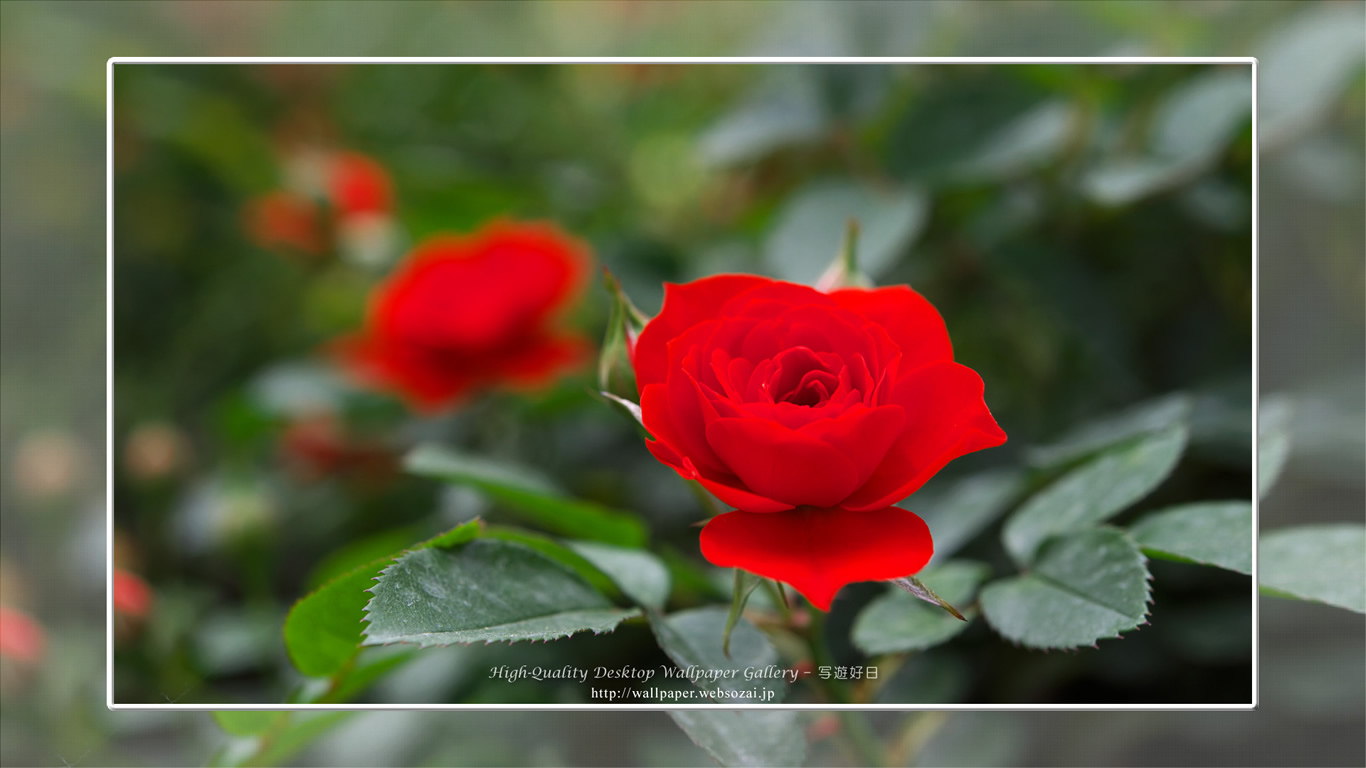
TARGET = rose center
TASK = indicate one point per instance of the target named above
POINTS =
(802, 378)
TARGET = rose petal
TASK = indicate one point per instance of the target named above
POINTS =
(909, 319)
(684, 306)
(671, 412)
(818, 551)
(862, 434)
(778, 463)
(740, 498)
(424, 381)
(946, 417)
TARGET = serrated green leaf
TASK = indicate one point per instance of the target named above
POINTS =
(1212, 533)
(1084, 587)
(811, 226)
(559, 552)
(1095, 491)
(1108, 431)
(530, 494)
(899, 621)
(745, 737)
(323, 630)
(486, 591)
(638, 573)
(693, 640)
(245, 722)
(1321, 563)
(959, 511)
(1273, 441)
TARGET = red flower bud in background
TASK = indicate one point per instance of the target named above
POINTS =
(287, 221)
(21, 638)
(463, 314)
(358, 185)
(132, 596)
(811, 414)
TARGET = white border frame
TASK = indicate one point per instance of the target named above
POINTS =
(109, 369)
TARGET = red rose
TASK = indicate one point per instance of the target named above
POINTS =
(468, 313)
(811, 414)
(358, 185)
(132, 596)
(21, 638)
(284, 220)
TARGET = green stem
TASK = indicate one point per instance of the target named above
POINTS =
(857, 731)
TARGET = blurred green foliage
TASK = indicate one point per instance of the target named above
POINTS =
(1085, 230)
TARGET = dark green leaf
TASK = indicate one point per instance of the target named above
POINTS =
(1212, 533)
(1082, 588)
(1322, 563)
(900, 621)
(486, 591)
(532, 495)
(323, 630)
(1095, 491)
(959, 511)
(745, 737)
(638, 573)
(812, 225)
(693, 640)
(1111, 430)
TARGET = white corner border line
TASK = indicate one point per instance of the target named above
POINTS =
(109, 369)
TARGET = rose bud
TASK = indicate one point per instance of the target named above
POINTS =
(812, 414)
(463, 314)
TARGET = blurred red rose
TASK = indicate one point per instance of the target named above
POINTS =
(463, 314)
(284, 220)
(317, 445)
(21, 638)
(358, 185)
(132, 596)
(811, 414)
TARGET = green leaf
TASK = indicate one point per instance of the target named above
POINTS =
(559, 552)
(784, 110)
(532, 495)
(368, 670)
(1084, 587)
(745, 582)
(1211, 533)
(1304, 68)
(958, 512)
(323, 630)
(693, 640)
(745, 737)
(1095, 491)
(811, 226)
(245, 722)
(486, 591)
(639, 574)
(1273, 441)
(899, 621)
(1108, 431)
(1322, 563)
(1025, 143)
